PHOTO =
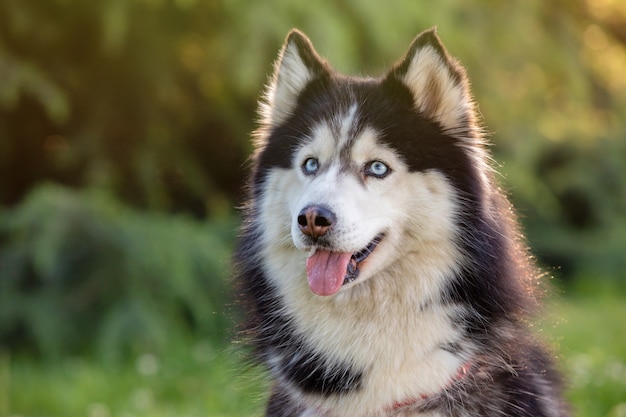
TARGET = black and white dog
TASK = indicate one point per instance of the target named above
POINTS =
(379, 262)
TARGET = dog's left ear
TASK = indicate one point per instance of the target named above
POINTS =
(438, 82)
(298, 64)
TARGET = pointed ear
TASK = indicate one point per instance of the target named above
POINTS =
(298, 63)
(438, 82)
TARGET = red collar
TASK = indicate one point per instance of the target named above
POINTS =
(461, 373)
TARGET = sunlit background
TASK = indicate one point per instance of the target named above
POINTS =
(124, 132)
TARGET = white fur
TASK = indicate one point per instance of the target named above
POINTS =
(443, 98)
(389, 322)
(437, 94)
(291, 76)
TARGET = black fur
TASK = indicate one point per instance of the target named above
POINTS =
(512, 375)
(272, 334)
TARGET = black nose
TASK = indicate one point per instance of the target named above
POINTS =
(314, 221)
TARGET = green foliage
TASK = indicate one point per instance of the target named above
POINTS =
(572, 199)
(592, 348)
(153, 101)
(192, 379)
(81, 271)
(189, 381)
(127, 95)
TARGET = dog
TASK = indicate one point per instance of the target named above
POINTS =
(379, 263)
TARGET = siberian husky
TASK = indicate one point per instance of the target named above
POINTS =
(379, 262)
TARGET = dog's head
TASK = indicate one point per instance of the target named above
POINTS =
(357, 173)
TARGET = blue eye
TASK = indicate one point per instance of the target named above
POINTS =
(377, 169)
(310, 166)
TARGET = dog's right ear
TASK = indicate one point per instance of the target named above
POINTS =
(298, 63)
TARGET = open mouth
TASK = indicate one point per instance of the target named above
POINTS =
(357, 258)
(327, 271)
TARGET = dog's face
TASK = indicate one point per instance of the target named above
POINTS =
(355, 174)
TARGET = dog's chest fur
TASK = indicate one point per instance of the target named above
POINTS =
(382, 343)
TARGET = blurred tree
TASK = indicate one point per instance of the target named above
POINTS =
(82, 273)
(154, 100)
(129, 95)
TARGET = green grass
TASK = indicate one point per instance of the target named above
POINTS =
(189, 383)
(591, 339)
(194, 380)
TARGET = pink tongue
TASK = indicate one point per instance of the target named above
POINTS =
(326, 271)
